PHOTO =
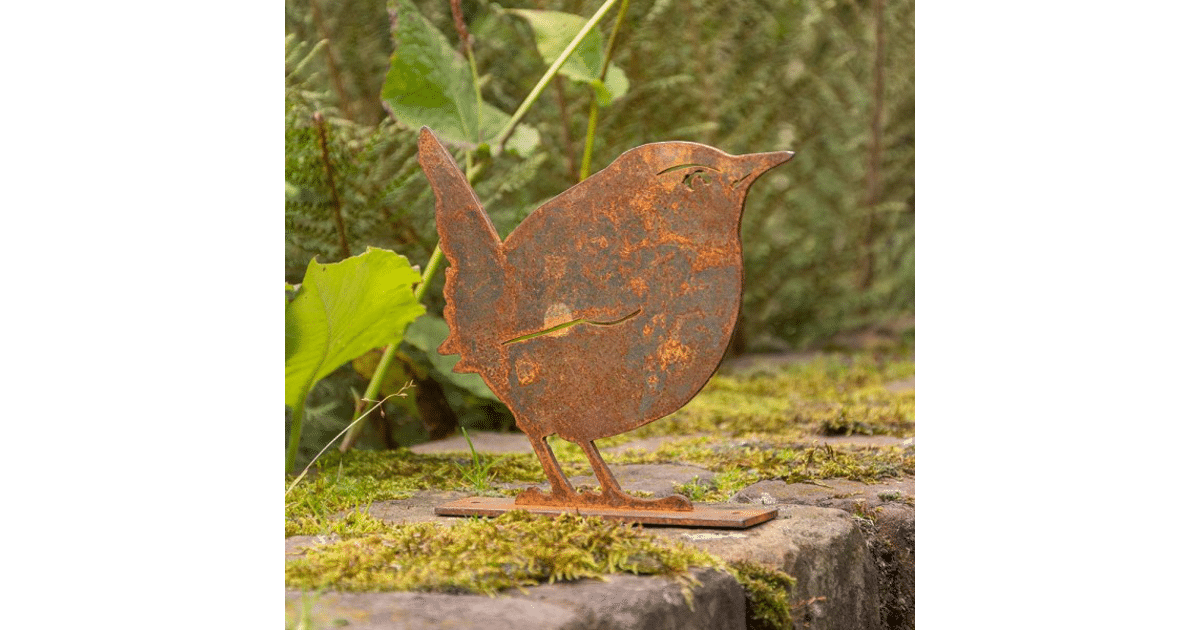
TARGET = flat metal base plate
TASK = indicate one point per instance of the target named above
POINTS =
(701, 516)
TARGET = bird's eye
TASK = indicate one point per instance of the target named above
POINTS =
(696, 178)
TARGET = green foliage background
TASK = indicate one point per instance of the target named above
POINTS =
(828, 237)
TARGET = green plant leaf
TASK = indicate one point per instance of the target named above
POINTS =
(343, 310)
(553, 30)
(426, 334)
(429, 84)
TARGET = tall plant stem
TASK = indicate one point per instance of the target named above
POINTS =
(389, 353)
(545, 80)
(435, 259)
(327, 164)
(585, 165)
(594, 111)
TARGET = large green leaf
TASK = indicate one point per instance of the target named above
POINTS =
(426, 334)
(554, 30)
(430, 84)
(343, 310)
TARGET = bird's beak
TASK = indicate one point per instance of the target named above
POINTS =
(755, 164)
(760, 163)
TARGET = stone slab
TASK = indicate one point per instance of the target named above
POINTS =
(417, 509)
(821, 547)
(842, 494)
(887, 517)
(623, 601)
(836, 579)
(494, 442)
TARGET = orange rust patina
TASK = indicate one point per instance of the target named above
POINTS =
(609, 307)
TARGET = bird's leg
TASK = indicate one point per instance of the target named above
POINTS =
(614, 496)
(561, 491)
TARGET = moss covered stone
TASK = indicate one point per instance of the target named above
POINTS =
(488, 555)
(747, 426)
(829, 395)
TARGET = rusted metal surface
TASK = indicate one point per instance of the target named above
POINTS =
(701, 516)
(608, 307)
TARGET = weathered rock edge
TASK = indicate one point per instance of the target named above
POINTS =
(821, 547)
(885, 514)
(624, 601)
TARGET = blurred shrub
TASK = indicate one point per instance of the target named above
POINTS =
(828, 238)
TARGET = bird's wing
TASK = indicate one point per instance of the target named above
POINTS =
(475, 273)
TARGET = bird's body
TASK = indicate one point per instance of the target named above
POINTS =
(609, 306)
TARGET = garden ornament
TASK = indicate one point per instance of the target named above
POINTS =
(607, 308)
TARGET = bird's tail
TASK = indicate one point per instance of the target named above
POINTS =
(475, 271)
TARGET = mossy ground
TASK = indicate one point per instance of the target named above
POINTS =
(830, 395)
(517, 550)
(745, 426)
(487, 555)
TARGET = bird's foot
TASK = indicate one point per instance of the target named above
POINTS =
(672, 503)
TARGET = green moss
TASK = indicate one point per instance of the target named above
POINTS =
(341, 482)
(355, 522)
(724, 485)
(518, 550)
(723, 407)
(830, 395)
(359, 478)
(772, 411)
(756, 425)
(488, 555)
(766, 595)
(745, 462)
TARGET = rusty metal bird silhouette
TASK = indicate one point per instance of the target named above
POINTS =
(608, 307)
